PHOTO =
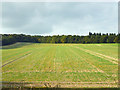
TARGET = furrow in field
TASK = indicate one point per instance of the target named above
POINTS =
(73, 65)
(49, 61)
(66, 61)
(14, 56)
(54, 64)
(77, 61)
(80, 71)
(59, 82)
(100, 55)
(105, 49)
(16, 59)
(12, 53)
(99, 70)
(42, 60)
(106, 71)
(35, 62)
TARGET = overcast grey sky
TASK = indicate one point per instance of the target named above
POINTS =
(50, 18)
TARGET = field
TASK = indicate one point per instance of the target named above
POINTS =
(60, 65)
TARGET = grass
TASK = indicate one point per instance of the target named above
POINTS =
(62, 63)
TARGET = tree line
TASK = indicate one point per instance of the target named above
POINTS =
(8, 39)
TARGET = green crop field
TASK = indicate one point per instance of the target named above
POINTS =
(60, 65)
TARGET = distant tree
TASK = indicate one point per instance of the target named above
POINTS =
(91, 38)
(111, 38)
(97, 39)
(90, 33)
(103, 39)
(116, 40)
(63, 39)
(69, 39)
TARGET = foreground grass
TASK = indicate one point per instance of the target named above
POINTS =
(91, 63)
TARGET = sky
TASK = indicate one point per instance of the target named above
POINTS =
(59, 18)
